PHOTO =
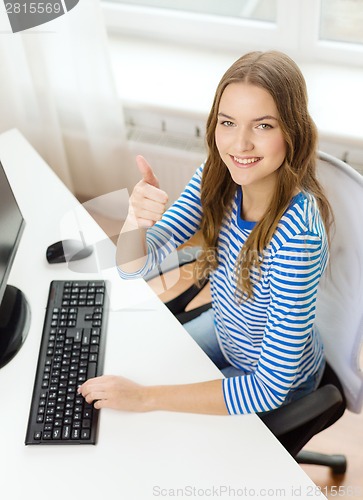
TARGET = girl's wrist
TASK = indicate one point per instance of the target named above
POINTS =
(148, 398)
(131, 222)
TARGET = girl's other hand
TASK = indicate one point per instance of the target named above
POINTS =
(147, 201)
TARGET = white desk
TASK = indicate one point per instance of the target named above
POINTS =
(138, 456)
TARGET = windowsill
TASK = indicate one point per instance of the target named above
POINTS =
(155, 76)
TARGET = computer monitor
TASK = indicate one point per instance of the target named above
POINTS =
(14, 310)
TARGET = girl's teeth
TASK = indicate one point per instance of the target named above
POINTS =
(245, 162)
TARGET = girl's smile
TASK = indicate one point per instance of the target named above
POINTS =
(245, 162)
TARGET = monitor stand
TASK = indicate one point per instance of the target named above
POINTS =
(14, 323)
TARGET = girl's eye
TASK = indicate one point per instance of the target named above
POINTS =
(227, 123)
(264, 126)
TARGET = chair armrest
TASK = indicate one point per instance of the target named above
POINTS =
(325, 401)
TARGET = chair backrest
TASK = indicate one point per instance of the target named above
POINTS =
(339, 314)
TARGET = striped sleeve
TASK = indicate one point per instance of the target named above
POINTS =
(178, 224)
(294, 276)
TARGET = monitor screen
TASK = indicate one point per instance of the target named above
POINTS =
(13, 314)
(11, 227)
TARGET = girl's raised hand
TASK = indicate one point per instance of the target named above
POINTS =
(147, 201)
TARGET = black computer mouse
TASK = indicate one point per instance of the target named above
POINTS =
(67, 251)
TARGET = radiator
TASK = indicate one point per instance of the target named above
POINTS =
(174, 146)
(174, 157)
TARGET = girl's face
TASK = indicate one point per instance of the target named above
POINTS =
(248, 136)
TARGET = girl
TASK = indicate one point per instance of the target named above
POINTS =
(264, 221)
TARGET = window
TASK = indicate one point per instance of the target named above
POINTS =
(331, 31)
(226, 25)
(341, 21)
(260, 10)
(325, 30)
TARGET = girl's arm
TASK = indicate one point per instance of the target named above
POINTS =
(120, 393)
(293, 277)
(150, 234)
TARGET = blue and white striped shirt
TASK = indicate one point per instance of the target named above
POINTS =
(271, 336)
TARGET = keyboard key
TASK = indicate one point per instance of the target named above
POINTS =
(92, 370)
(66, 432)
(85, 434)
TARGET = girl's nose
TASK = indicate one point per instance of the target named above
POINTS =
(244, 141)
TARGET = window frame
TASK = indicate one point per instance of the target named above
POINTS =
(296, 31)
(202, 29)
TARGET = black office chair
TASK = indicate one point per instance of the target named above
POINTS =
(339, 317)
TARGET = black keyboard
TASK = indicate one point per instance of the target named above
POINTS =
(71, 351)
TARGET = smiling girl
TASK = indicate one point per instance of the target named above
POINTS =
(264, 221)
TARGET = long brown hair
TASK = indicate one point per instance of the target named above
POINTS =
(279, 75)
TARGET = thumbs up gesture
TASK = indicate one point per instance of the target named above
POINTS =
(147, 201)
